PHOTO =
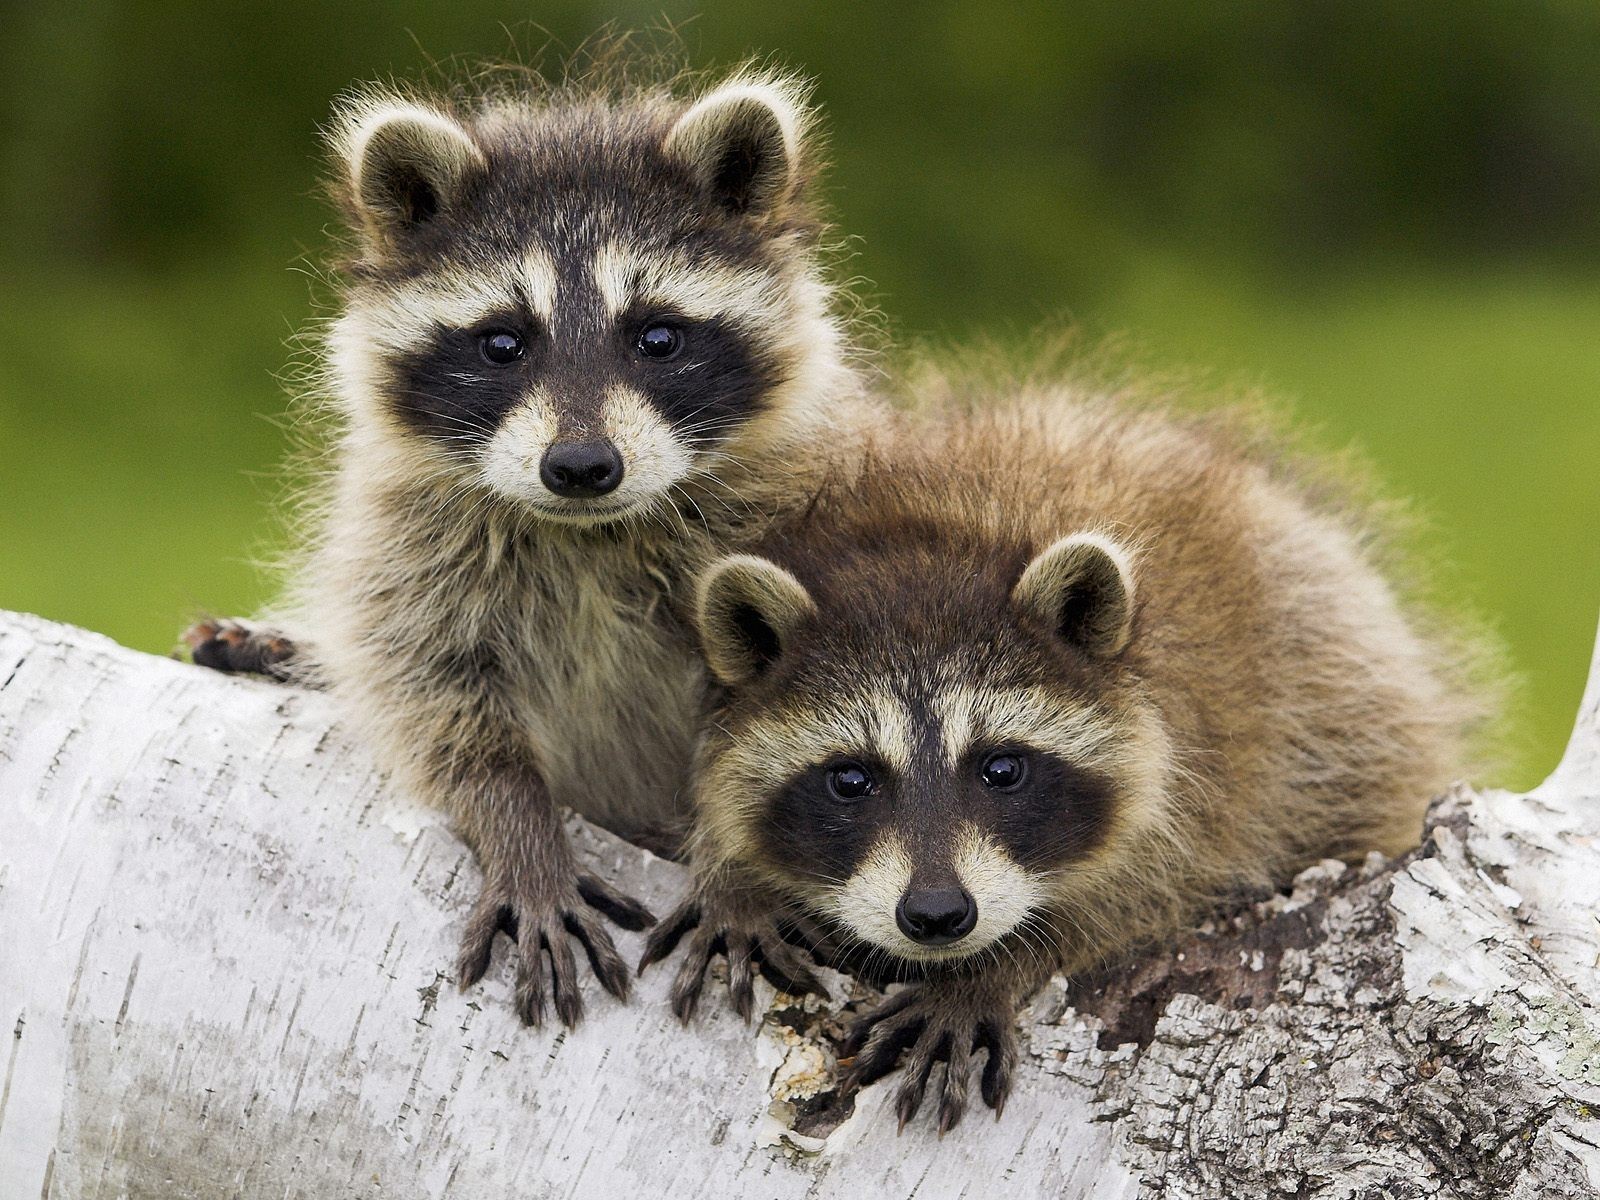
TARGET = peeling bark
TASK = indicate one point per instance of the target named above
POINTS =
(224, 948)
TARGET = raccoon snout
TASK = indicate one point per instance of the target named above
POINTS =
(936, 916)
(581, 470)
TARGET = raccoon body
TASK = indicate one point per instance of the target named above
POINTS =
(1052, 679)
(586, 344)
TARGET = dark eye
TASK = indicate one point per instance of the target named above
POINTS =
(501, 347)
(660, 342)
(850, 781)
(1003, 772)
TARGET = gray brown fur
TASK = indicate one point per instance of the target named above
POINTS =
(1265, 701)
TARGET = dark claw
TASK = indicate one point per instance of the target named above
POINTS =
(741, 975)
(530, 981)
(781, 965)
(604, 960)
(664, 938)
(623, 910)
(953, 1099)
(477, 942)
(691, 978)
(995, 1084)
(864, 1026)
(881, 1051)
(918, 1067)
(564, 977)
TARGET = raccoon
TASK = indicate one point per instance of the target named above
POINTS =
(1047, 682)
(587, 341)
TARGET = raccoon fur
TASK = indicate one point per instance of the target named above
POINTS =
(586, 342)
(1052, 678)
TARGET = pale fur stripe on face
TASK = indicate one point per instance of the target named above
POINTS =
(1003, 891)
(653, 456)
(511, 460)
(872, 723)
(865, 903)
(973, 717)
(746, 296)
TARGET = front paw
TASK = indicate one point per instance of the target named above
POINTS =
(743, 928)
(942, 1020)
(541, 919)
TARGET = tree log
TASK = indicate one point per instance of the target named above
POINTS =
(225, 951)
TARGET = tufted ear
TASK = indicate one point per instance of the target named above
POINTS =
(743, 142)
(405, 163)
(748, 610)
(1082, 587)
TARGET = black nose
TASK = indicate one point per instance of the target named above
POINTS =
(581, 469)
(936, 916)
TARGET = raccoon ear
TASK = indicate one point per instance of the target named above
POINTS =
(405, 163)
(748, 610)
(742, 141)
(1082, 586)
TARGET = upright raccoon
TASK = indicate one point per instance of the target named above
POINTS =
(585, 343)
(1045, 684)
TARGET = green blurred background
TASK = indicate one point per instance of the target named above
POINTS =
(1388, 213)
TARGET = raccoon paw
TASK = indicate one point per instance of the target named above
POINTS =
(236, 647)
(746, 932)
(541, 925)
(928, 1023)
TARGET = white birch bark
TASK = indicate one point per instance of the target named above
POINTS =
(224, 953)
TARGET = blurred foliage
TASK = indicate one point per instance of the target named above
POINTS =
(1386, 211)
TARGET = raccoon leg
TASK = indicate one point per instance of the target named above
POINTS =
(741, 920)
(944, 1019)
(238, 647)
(534, 893)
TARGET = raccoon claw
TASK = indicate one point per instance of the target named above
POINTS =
(749, 939)
(234, 647)
(929, 1024)
(542, 929)
(620, 908)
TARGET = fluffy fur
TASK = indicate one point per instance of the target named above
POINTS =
(1211, 679)
(506, 648)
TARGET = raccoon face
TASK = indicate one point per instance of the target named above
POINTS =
(580, 306)
(928, 791)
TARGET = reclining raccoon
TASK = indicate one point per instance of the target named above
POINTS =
(1045, 684)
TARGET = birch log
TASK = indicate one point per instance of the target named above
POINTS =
(224, 970)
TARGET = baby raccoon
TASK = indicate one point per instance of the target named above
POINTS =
(586, 343)
(1043, 685)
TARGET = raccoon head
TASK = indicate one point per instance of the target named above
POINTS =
(580, 304)
(927, 762)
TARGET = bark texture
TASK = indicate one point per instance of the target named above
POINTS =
(224, 947)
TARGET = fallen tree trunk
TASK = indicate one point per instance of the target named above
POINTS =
(224, 967)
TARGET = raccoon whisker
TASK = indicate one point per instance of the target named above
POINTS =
(711, 496)
(1034, 938)
(690, 500)
(723, 422)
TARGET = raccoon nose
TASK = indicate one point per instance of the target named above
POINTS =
(936, 916)
(581, 469)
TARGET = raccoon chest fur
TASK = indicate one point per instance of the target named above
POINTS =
(610, 684)
(452, 643)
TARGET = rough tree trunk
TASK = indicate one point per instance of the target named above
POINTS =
(224, 950)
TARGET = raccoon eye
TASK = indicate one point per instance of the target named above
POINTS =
(1004, 772)
(501, 346)
(660, 342)
(850, 781)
